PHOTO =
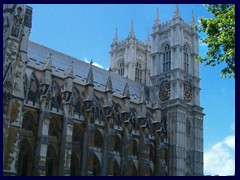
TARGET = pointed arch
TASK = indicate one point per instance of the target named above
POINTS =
(98, 139)
(152, 152)
(78, 134)
(186, 57)
(149, 170)
(117, 143)
(138, 71)
(166, 60)
(75, 165)
(56, 99)
(98, 108)
(132, 169)
(77, 102)
(55, 128)
(34, 88)
(25, 158)
(121, 67)
(96, 166)
(29, 122)
(135, 148)
(51, 161)
(116, 168)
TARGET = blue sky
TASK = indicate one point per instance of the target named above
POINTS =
(87, 31)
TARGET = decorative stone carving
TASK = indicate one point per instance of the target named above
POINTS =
(17, 21)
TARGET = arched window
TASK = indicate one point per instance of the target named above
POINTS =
(77, 102)
(135, 148)
(186, 58)
(56, 95)
(96, 166)
(24, 160)
(151, 153)
(34, 93)
(54, 128)
(98, 139)
(138, 72)
(121, 69)
(188, 128)
(51, 162)
(117, 143)
(116, 169)
(166, 58)
(74, 168)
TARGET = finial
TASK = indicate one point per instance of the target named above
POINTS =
(142, 96)
(192, 20)
(69, 72)
(90, 75)
(126, 92)
(148, 38)
(176, 12)
(131, 33)
(157, 21)
(108, 86)
(48, 64)
(116, 37)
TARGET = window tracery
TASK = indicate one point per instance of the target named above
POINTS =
(166, 58)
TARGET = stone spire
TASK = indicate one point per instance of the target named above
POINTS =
(192, 19)
(157, 103)
(131, 33)
(142, 96)
(116, 37)
(108, 86)
(126, 92)
(69, 72)
(176, 12)
(90, 75)
(148, 38)
(157, 21)
(48, 63)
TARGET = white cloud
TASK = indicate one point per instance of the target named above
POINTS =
(220, 158)
(94, 63)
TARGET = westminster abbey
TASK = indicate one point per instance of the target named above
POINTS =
(66, 117)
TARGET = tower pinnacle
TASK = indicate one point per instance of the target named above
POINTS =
(176, 12)
(157, 21)
(116, 37)
(192, 20)
(131, 33)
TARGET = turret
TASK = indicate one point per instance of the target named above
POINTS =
(89, 83)
(126, 97)
(131, 33)
(68, 82)
(108, 90)
(47, 70)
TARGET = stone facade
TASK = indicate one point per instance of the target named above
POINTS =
(83, 120)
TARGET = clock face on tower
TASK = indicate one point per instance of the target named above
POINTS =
(187, 92)
(164, 92)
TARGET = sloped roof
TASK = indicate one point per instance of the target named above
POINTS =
(60, 61)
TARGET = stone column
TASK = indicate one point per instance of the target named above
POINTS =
(42, 143)
(66, 140)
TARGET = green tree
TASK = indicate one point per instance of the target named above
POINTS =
(220, 37)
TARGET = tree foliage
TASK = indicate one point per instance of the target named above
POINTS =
(220, 37)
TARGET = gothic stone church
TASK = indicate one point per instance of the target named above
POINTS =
(63, 116)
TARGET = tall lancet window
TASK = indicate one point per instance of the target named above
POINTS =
(186, 59)
(121, 68)
(166, 58)
(138, 72)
